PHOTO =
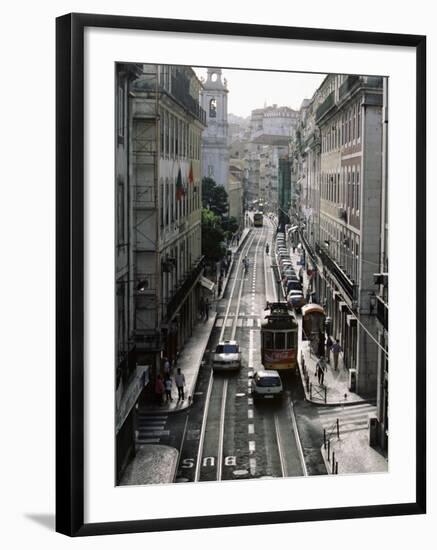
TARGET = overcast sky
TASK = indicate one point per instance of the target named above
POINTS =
(252, 89)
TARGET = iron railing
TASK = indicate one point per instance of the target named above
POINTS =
(325, 106)
(343, 280)
(382, 312)
(351, 82)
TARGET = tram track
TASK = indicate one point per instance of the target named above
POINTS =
(270, 450)
(214, 424)
(218, 387)
(279, 422)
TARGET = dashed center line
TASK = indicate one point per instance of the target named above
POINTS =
(251, 428)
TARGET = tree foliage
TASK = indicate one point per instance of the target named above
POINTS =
(213, 235)
(214, 197)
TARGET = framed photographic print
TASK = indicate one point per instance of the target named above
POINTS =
(237, 208)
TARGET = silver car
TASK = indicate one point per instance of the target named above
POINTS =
(226, 356)
(267, 384)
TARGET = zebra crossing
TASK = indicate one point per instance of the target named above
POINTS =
(242, 322)
(351, 417)
(150, 429)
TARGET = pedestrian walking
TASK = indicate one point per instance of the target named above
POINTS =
(336, 349)
(159, 389)
(220, 285)
(322, 375)
(168, 384)
(180, 383)
(206, 309)
(329, 344)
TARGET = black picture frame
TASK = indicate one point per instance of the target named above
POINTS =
(70, 272)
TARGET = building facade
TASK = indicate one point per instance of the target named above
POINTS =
(338, 158)
(163, 229)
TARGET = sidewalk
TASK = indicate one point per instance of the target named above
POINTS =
(191, 357)
(352, 454)
(335, 387)
(189, 362)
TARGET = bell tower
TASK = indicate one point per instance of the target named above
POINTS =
(215, 147)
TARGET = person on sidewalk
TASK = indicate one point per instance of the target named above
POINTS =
(168, 386)
(206, 310)
(329, 344)
(180, 383)
(159, 389)
(320, 372)
(220, 285)
(336, 349)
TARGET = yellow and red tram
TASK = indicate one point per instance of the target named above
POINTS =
(279, 338)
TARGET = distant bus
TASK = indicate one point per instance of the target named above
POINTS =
(258, 219)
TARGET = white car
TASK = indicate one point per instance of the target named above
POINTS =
(226, 356)
(267, 384)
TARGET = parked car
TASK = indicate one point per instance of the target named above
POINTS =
(227, 356)
(293, 284)
(296, 299)
(267, 384)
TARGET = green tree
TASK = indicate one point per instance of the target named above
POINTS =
(212, 236)
(214, 197)
(229, 226)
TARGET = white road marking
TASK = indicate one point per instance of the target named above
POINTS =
(252, 446)
(252, 466)
(250, 413)
(250, 400)
(250, 322)
(251, 428)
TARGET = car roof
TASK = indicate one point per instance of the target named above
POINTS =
(232, 342)
(267, 373)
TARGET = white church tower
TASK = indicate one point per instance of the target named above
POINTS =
(215, 148)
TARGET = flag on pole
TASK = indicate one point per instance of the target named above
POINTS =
(190, 175)
(180, 191)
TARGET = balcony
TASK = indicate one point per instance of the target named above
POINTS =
(326, 106)
(181, 293)
(180, 91)
(382, 312)
(308, 247)
(348, 286)
(351, 82)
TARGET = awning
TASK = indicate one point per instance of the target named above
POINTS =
(207, 283)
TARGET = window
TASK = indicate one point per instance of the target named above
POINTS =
(280, 340)
(268, 340)
(213, 108)
(120, 108)
(120, 212)
(291, 339)
(359, 121)
(161, 200)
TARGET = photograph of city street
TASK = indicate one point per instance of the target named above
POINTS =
(251, 274)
